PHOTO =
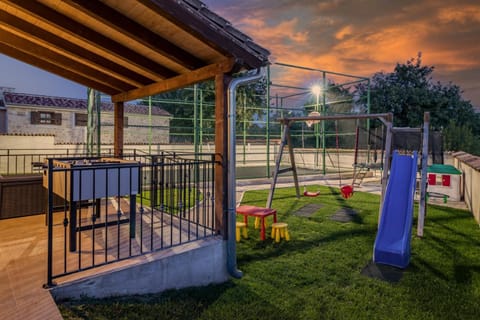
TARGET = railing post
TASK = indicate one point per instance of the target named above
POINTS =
(50, 226)
(154, 183)
(8, 161)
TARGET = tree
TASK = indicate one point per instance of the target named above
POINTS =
(409, 91)
(459, 137)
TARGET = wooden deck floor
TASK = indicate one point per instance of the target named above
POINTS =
(23, 253)
(23, 270)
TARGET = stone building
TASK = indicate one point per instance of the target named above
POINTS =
(66, 119)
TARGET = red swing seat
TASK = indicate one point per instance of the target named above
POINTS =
(347, 191)
(311, 194)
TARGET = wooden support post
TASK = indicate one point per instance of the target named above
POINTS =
(221, 153)
(423, 181)
(386, 162)
(286, 142)
(292, 162)
(118, 129)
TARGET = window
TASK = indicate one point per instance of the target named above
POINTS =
(81, 119)
(40, 117)
(46, 118)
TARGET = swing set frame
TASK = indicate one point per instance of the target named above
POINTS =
(387, 120)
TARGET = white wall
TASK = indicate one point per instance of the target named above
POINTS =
(470, 166)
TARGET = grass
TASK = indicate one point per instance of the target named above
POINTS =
(174, 200)
(317, 275)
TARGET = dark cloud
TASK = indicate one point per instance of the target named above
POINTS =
(366, 36)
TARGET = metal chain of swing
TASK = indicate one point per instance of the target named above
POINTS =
(346, 190)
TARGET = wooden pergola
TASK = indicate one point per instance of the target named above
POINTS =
(131, 49)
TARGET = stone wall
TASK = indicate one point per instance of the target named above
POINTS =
(137, 131)
(19, 122)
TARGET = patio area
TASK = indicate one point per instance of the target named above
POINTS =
(23, 253)
(23, 269)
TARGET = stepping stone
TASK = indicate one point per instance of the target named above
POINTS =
(345, 215)
(308, 210)
(382, 272)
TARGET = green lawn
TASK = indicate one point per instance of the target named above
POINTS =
(317, 275)
(174, 200)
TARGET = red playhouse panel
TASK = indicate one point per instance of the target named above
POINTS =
(432, 179)
(446, 180)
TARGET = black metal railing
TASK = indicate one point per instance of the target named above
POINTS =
(115, 209)
(30, 161)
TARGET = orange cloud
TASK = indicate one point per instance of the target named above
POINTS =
(344, 32)
(284, 31)
(345, 37)
(462, 15)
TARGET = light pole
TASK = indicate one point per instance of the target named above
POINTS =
(316, 90)
(324, 104)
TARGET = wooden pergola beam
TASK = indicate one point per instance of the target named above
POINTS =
(202, 74)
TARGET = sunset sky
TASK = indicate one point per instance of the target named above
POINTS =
(357, 37)
(366, 36)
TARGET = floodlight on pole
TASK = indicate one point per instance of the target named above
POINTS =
(316, 90)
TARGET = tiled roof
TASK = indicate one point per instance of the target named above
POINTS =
(223, 26)
(72, 103)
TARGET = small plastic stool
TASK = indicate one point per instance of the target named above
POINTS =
(279, 231)
(241, 230)
(257, 222)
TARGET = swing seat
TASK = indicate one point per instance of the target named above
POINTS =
(311, 194)
(347, 191)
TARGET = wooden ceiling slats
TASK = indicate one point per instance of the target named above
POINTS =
(56, 69)
(67, 24)
(87, 45)
(68, 48)
(169, 30)
(22, 44)
(126, 48)
(137, 32)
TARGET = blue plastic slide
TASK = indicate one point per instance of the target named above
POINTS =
(392, 245)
